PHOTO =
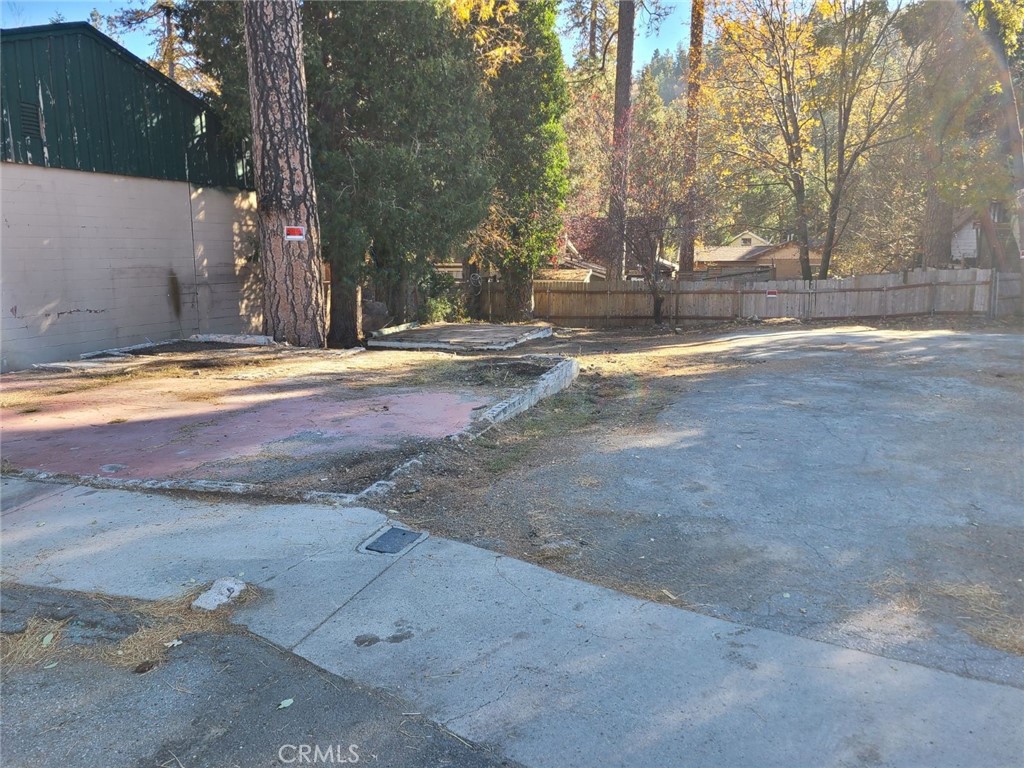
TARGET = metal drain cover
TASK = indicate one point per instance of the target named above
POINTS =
(392, 541)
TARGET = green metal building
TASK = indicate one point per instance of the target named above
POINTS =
(70, 97)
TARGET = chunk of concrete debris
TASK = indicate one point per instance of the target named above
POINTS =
(223, 591)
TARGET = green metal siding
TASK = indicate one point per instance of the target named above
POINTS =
(70, 97)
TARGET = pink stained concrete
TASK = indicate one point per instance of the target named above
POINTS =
(165, 437)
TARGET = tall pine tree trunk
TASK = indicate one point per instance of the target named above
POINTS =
(802, 234)
(620, 135)
(592, 33)
(694, 75)
(294, 303)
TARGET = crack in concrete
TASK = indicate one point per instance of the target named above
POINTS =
(546, 609)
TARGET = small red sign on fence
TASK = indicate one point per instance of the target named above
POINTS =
(771, 293)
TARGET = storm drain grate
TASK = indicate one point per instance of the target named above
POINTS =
(393, 541)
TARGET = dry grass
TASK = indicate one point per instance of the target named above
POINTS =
(991, 624)
(980, 600)
(1005, 634)
(893, 588)
(162, 623)
(979, 609)
(165, 621)
(27, 648)
(29, 399)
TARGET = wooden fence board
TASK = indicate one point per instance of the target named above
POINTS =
(898, 294)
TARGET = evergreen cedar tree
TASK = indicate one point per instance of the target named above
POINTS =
(410, 158)
(529, 155)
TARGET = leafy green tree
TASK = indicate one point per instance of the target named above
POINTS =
(403, 146)
(529, 157)
(870, 71)
(656, 183)
(399, 151)
(669, 71)
(954, 120)
(766, 75)
(1002, 21)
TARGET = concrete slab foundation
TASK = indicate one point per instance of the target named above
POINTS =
(466, 337)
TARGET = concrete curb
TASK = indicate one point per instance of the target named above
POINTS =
(554, 381)
(252, 340)
(126, 351)
(394, 329)
(189, 486)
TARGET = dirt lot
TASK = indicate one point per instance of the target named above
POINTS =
(856, 485)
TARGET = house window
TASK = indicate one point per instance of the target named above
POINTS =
(746, 241)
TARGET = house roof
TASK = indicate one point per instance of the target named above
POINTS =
(755, 238)
(576, 275)
(572, 260)
(664, 265)
(732, 253)
(743, 253)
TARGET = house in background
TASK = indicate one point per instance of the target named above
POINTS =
(964, 247)
(126, 217)
(783, 260)
(565, 273)
(969, 246)
(748, 239)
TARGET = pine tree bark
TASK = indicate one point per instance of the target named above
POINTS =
(294, 301)
(802, 226)
(592, 33)
(620, 135)
(692, 133)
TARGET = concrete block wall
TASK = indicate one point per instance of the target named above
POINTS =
(90, 261)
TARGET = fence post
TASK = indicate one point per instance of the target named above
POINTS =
(885, 302)
(993, 294)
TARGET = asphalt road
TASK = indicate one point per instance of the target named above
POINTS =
(858, 486)
(214, 701)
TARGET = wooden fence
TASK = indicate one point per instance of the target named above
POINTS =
(900, 294)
